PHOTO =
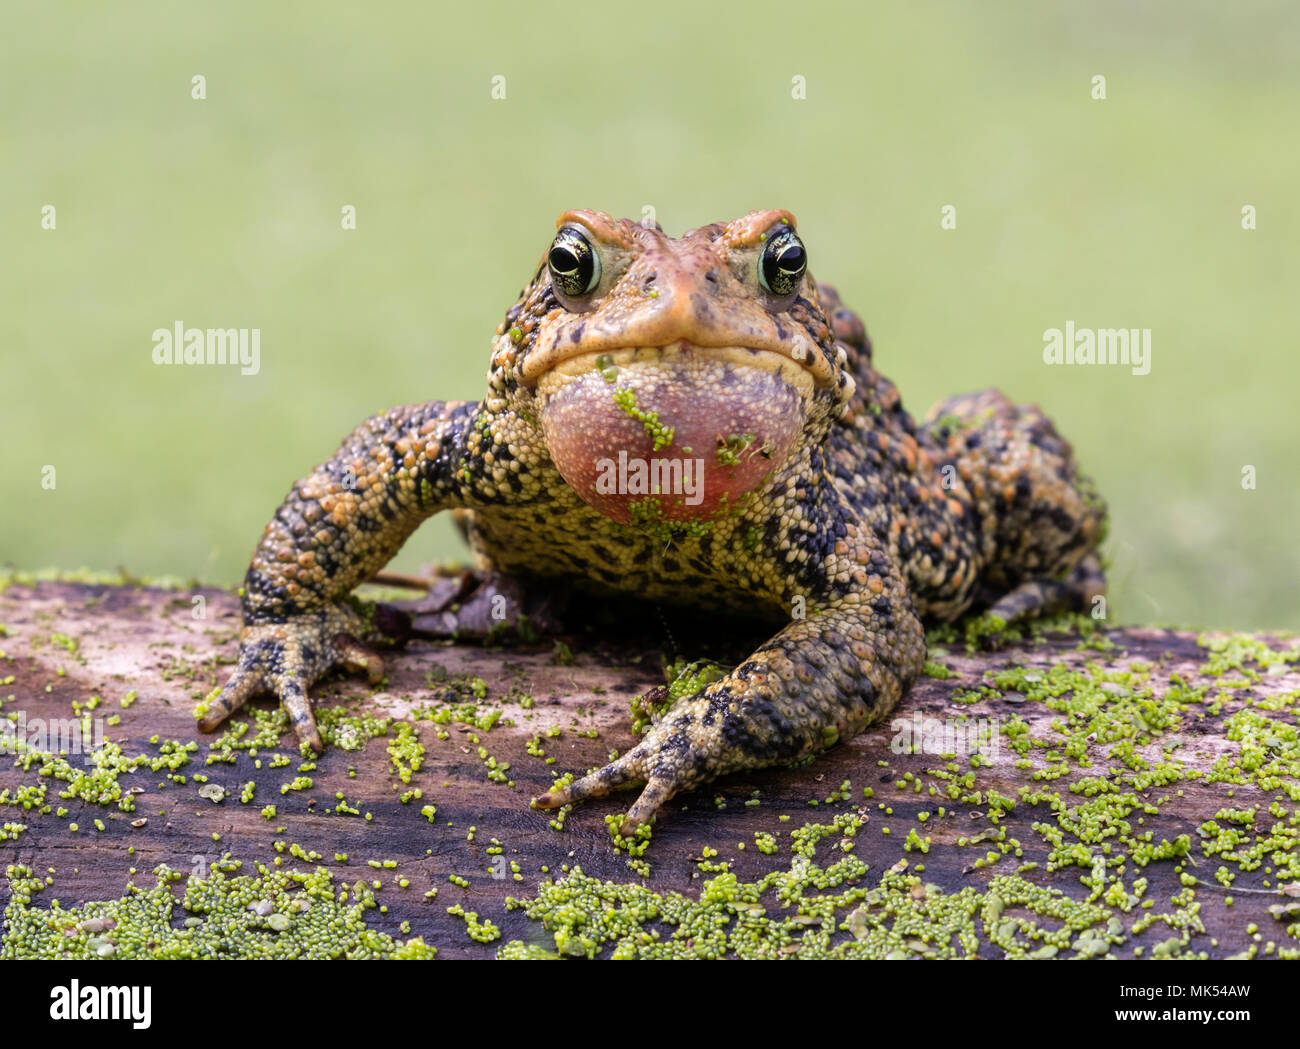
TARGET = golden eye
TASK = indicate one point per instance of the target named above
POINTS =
(573, 262)
(783, 264)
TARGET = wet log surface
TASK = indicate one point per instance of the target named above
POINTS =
(66, 642)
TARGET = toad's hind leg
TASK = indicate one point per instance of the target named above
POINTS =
(820, 680)
(1039, 519)
(1076, 593)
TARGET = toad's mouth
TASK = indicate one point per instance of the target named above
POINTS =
(654, 435)
(799, 353)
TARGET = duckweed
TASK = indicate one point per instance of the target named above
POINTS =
(273, 914)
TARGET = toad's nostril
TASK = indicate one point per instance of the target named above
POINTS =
(711, 276)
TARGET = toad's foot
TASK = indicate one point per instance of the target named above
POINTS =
(476, 605)
(286, 659)
(638, 765)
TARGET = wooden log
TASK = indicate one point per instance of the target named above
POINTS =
(66, 642)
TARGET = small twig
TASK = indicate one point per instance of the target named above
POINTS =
(410, 582)
(1289, 889)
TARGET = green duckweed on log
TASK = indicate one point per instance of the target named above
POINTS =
(1061, 792)
(274, 914)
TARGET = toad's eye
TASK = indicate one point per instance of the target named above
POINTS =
(783, 264)
(573, 262)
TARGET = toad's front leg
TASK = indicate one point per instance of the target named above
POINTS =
(335, 530)
(820, 680)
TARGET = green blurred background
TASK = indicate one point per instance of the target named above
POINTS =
(226, 213)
